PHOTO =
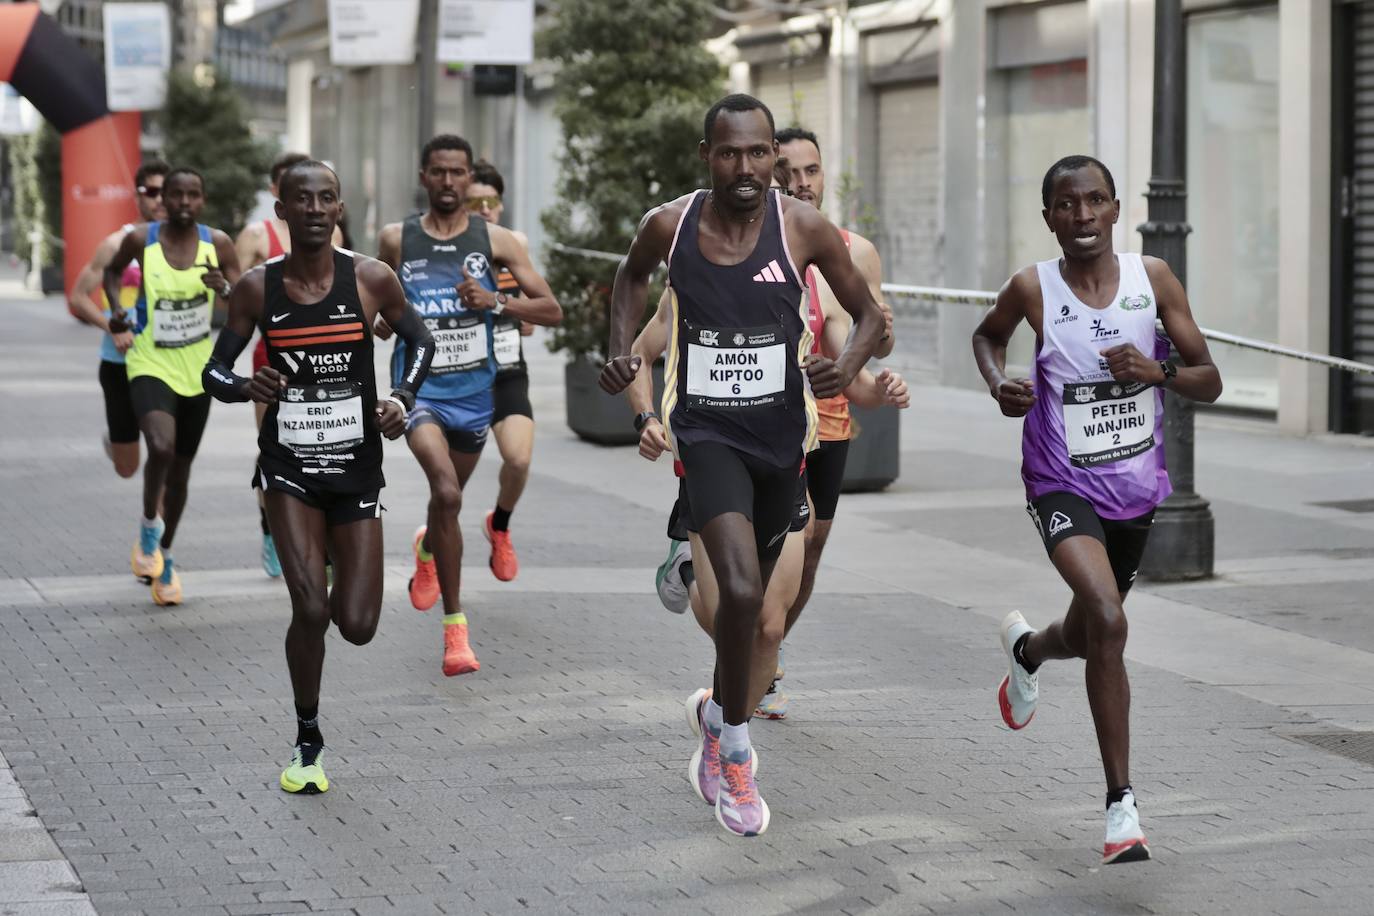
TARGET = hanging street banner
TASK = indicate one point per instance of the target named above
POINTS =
(486, 31)
(364, 33)
(138, 54)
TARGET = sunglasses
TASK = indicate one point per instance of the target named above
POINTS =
(476, 204)
(151, 192)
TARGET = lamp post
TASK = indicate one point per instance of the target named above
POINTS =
(1181, 545)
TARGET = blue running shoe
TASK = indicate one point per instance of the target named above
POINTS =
(270, 564)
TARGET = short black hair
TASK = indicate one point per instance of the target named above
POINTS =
(184, 170)
(284, 162)
(483, 172)
(445, 141)
(1072, 164)
(298, 168)
(793, 134)
(151, 167)
(735, 102)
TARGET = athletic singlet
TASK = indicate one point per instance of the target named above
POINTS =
(274, 250)
(172, 337)
(431, 270)
(506, 343)
(833, 413)
(1087, 433)
(739, 334)
(323, 425)
(130, 282)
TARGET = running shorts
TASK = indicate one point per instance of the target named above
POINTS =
(338, 508)
(465, 421)
(120, 419)
(511, 396)
(825, 475)
(1059, 516)
(719, 479)
(148, 393)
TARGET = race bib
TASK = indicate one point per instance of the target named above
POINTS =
(181, 322)
(1108, 421)
(505, 343)
(731, 368)
(320, 419)
(460, 344)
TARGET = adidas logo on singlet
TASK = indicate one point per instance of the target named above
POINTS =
(771, 273)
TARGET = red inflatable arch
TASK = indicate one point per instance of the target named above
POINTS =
(99, 150)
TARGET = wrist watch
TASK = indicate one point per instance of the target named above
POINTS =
(500, 306)
(642, 418)
(1169, 369)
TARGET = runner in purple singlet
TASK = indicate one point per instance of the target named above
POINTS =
(1092, 448)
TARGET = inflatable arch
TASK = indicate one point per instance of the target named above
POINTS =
(99, 150)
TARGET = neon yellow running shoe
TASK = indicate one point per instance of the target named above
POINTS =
(305, 775)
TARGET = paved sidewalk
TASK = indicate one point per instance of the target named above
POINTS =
(148, 740)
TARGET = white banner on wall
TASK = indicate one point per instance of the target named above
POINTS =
(138, 54)
(17, 114)
(369, 32)
(486, 31)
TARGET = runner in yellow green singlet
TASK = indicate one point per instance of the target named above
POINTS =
(187, 271)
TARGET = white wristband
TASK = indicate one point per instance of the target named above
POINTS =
(399, 403)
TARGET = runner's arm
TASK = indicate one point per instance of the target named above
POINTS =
(630, 293)
(220, 279)
(887, 387)
(1198, 377)
(649, 346)
(90, 279)
(990, 339)
(865, 257)
(250, 244)
(382, 285)
(538, 304)
(134, 240)
(826, 249)
(389, 253)
(218, 377)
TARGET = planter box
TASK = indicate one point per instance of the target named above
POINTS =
(595, 415)
(875, 454)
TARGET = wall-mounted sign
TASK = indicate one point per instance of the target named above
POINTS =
(138, 54)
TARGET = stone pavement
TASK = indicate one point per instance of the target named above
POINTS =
(148, 740)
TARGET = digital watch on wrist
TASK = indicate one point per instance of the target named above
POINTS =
(1169, 369)
(642, 418)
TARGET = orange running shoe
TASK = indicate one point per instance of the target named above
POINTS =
(503, 563)
(424, 585)
(458, 655)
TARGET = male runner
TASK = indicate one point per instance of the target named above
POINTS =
(824, 465)
(184, 265)
(512, 418)
(739, 411)
(320, 461)
(256, 244)
(444, 259)
(1092, 448)
(121, 426)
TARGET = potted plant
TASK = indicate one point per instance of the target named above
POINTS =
(634, 82)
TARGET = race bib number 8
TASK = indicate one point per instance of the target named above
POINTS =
(317, 420)
(460, 343)
(181, 322)
(732, 368)
(1105, 422)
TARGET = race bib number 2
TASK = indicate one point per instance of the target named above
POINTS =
(1105, 422)
(732, 368)
(181, 322)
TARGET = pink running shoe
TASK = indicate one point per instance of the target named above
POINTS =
(739, 807)
(704, 770)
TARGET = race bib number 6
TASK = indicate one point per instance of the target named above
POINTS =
(733, 368)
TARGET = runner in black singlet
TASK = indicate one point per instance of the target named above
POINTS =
(740, 412)
(320, 461)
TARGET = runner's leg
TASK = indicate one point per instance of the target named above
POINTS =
(443, 537)
(355, 601)
(301, 545)
(515, 439)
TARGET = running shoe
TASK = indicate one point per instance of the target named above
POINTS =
(424, 585)
(167, 587)
(305, 775)
(1020, 689)
(270, 564)
(146, 557)
(1125, 842)
(671, 589)
(503, 562)
(703, 772)
(774, 702)
(458, 655)
(739, 807)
